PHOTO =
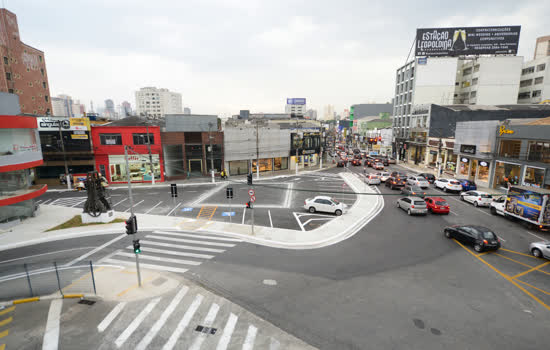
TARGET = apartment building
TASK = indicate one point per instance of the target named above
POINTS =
(156, 103)
(534, 85)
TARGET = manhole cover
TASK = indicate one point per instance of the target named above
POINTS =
(86, 302)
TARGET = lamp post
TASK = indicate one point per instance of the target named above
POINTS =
(210, 125)
(68, 178)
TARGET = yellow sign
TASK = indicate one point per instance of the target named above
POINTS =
(503, 130)
(80, 123)
(376, 147)
(79, 137)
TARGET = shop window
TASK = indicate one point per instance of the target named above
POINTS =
(141, 139)
(533, 177)
(539, 151)
(506, 173)
(110, 139)
(280, 163)
(483, 172)
(509, 148)
(464, 166)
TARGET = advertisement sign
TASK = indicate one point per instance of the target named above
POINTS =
(295, 101)
(524, 203)
(52, 124)
(461, 41)
(79, 137)
(79, 124)
(422, 60)
(469, 149)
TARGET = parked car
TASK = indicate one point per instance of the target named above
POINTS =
(412, 205)
(540, 249)
(378, 166)
(467, 185)
(356, 162)
(429, 177)
(341, 164)
(384, 175)
(395, 182)
(418, 181)
(478, 198)
(391, 160)
(437, 205)
(448, 185)
(324, 204)
(497, 205)
(412, 190)
(372, 179)
(480, 237)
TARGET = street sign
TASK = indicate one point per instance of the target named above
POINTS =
(251, 192)
(187, 209)
(229, 192)
(252, 199)
(228, 213)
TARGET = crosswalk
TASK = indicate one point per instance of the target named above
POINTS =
(69, 201)
(173, 251)
(191, 319)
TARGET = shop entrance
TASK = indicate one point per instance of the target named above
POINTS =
(195, 166)
(473, 169)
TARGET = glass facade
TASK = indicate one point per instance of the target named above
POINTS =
(16, 211)
(509, 148)
(464, 166)
(139, 168)
(238, 167)
(539, 151)
(483, 172)
(280, 163)
(13, 181)
(506, 172)
(533, 176)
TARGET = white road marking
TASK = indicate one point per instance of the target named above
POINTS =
(270, 282)
(539, 237)
(274, 344)
(207, 322)
(308, 221)
(180, 246)
(205, 195)
(289, 195)
(216, 238)
(110, 317)
(171, 211)
(74, 205)
(120, 202)
(227, 332)
(250, 338)
(160, 259)
(270, 221)
(452, 212)
(136, 322)
(148, 266)
(46, 201)
(299, 223)
(51, 334)
(95, 250)
(156, 205)
(38, 201)
(135, 205)
(33, 256)
(162, 320)
(244, 212)
(173, 252)
(192, 241)
(183, 323)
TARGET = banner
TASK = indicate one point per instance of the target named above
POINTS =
(79, 124)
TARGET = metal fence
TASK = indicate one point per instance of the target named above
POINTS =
(30, 280)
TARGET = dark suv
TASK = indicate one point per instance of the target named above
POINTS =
(429, 177)
(395, 182)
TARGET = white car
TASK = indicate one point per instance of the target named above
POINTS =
(372, 179)
(478, 198)
(324, 204)
(419, 181)
(497, 205)
(448, 185)
(383, 175)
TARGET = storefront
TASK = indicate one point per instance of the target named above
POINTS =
(139, 168)
(309, 148)
(505, 173)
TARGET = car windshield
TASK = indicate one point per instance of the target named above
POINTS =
(420, 178)
(488, 235)
(419, 203)
(335, 201)
(440, 203)
(455, 182)
(486, 196)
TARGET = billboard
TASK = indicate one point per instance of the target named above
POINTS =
(461, 41)
(295, 101)
(72, 124)
(524, 203)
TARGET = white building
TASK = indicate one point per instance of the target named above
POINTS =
(328, 113)
(542, 48)
(65, 106)
(157, 103)
(534, 86)
(296, 106)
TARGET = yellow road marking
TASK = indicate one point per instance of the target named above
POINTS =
(481, 254)
(505, 276)
(130, 272)
(3, 347)
(207, 212)
(211, 215)
(133, 287)
(531, 270)
(4, 333)
(530, 285)
(6, 321)
(513, 251)
(517, 262)
(81, 278)
(73, 296)
(9, 309)
(27, 300)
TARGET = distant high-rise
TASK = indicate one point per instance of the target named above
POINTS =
(542, 48)
(328, 113)
(125, 109)
(65, 106)
(156, 103)
(109, 111)
(311, 114)
(295, 106)
(186, 110)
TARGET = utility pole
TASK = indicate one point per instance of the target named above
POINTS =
(131, 205)
(150, 156)
(67, 176)
(211, 151)
(257, 153)
(297, 146)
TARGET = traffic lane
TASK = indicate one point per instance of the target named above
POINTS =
(273, 194)
(27, 329)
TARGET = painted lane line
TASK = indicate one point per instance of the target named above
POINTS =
(34, 256)
(84, 200)
(184, 322)
(120, 202)
(38, 201)
(212, 237)
(207, 194)
(173, 252)
(207, 322)
(452, 212)
(95, 250)
(192, 241)
(180, 246)
(158, 258)
(149, 266)
(110, 317)
(270, 221)
(138, 203)
(162, 320)
(299, 222)
(136, 322)
(227, 332)
(539, 237)
(250, 338)
(289, 195)
(46, 201)
(171, 211)
(148, 211)
(51, 334)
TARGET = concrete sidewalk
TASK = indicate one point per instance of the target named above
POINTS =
(365, 208)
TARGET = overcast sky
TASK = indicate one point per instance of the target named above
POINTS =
(224, 56)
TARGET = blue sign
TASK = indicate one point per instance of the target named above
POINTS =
(228, 213)
(295, 101)
(187, 209)
(422, 60)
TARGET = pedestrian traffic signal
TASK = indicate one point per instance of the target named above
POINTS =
(137, 246)
(248, 205)
(249, 179)
(131, 225)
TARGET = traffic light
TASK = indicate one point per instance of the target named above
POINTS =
(380, 138)
(248, 205)
(249, 179)
(137, 246)
(131, 225)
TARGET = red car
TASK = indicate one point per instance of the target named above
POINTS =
(437, 205)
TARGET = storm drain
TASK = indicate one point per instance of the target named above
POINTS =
(206, 330)
(86, 302)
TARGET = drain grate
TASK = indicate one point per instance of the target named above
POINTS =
(207, 330)
(86, 302)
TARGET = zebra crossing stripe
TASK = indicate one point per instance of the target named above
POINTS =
(211, 237)
(183, 323)
(207, 322)
(136, 322)
(227, 332)
(250, 338)
(191, 241)
(162, 320)
(187, 247)
(147, 266)
(110, 317)
(173, 252)
(158, 258)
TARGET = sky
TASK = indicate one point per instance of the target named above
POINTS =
(224, 56)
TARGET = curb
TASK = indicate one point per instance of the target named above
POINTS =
(46, 297)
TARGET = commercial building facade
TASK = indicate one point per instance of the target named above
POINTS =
(534, 86)
(156, 103)
(296, 106)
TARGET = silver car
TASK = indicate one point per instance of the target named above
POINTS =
(372, 179)
(412, 205)
(540, 249)
(419, 181)
(383, 175)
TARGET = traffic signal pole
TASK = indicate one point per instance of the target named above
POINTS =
(131, 208)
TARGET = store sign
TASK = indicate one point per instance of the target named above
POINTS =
(433, 152)
(308, 151)
(464, 160)
(133, 158)
(469, 149)
(483, 164)
(53, 124)
(79, 137)
(502, 130)
(79, 124)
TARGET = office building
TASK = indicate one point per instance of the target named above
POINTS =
(534, 85)
(125, 109)
(186, 110)
(296, 106)
(109, 111)
(23, 68)
(542, 47)
(156, 103)
(65, 106)
(311, 114)
(328, 112)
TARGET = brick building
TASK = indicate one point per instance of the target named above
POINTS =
(23, 68)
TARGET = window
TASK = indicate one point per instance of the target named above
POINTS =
(467, 71)
(474, 81)
(40, 58)
(141, 139)
(528, 70)
(509, 148)
(10, 91)
(32, 98)
(476, 68)
(6, 61)
(541, 67)
(473, 94)
(30, 83)
(526, 82)
(46, 98)
(44, 84)
(42, 71)
(524, 95)
(537, 93)
(110, 139)
(8, 76)
(538, 151)
(28, 69)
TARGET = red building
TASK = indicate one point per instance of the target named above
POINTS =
(109, 141)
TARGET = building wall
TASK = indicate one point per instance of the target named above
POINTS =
(533, 72)
(240, 142)
(160, 102)
(435, 81)
(191, 122)
(542, 48)
(26, 67)
(498, 81)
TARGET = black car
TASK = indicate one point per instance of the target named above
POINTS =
(398, 174)
(395, 182)
(429, 177)
(481, 238)
(385, 161)
(356, 162)
(341, 164)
